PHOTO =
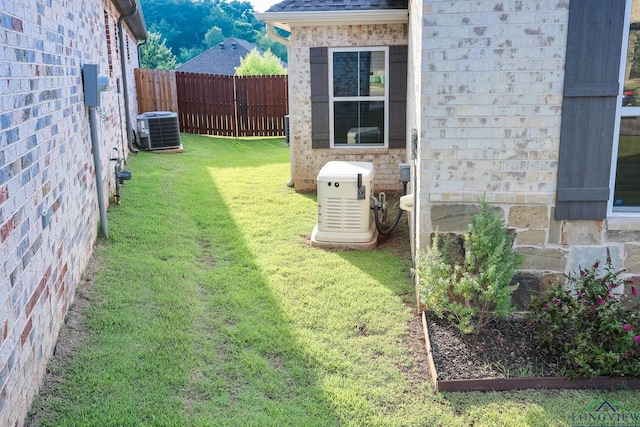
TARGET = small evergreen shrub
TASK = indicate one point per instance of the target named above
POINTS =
(598, 332)
(478, 288)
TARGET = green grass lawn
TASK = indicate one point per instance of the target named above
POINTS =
(209, 308)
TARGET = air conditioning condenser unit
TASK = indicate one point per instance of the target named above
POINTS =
(159, 130)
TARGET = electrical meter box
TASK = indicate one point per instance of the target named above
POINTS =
(94, 84)
(345, 217)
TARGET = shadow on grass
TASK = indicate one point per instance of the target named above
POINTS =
(183, 328)
(389, 262)
(274, 356)
(250, 369)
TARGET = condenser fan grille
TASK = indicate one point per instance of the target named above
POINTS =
(164, 133)
(159, 130)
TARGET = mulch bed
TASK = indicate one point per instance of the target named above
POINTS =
(504, 356)
(505, 348)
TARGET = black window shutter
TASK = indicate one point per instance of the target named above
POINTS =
(591, 87)
(398, 96)
(319, 73)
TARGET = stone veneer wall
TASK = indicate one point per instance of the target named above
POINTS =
(491, 100)
(48, 201)
(307, 162)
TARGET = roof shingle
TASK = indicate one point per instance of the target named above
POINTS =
(221, 59)
(336, 5)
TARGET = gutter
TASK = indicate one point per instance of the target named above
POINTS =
(132, 12)
(286, 20)
(339, 17)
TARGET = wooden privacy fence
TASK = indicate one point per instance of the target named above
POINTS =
(156, 90)
(218, 105)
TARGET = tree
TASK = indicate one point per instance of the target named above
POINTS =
(255, 64)
(213, 37)
(155, 54)
(181, 22)
(278, 49)
(245, 31)
(192, 26)
(186, 54)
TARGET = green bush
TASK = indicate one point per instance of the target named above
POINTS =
(598, 332)
(474, 290)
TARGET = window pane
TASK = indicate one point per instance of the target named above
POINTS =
(627, 189)
(377, 74)
(345, 73)
(630, 96)
(358, 73)
(626, 195)
(358, 122)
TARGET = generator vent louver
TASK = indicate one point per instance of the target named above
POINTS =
(159, 130)
(343, 215)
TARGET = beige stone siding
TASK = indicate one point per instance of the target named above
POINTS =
(489, 123)
(307, 162)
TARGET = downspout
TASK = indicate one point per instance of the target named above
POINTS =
(290, 183)
(285, 41)
(123, 71)
(415, 212)
(140, 43)
(95, 147)
(414, 158)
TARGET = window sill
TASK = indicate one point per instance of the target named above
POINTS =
(365, 150)
(358, 146)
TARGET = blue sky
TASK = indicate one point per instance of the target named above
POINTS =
(262, 5)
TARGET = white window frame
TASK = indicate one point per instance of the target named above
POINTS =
(621, 111)
(384, 98)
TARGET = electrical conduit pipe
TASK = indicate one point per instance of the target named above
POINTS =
(95, 147)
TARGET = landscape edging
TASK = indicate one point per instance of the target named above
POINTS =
(504, 384)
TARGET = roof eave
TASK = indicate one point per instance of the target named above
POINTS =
(342, 17)
(135, 20)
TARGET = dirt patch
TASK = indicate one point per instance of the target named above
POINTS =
(72, 333)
